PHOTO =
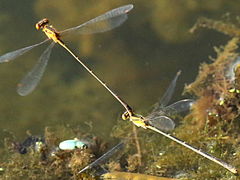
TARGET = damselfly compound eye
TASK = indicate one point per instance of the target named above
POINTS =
(42, 23)
(125, 115)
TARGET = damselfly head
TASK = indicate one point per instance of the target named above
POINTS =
(42, 23)
(125, 115)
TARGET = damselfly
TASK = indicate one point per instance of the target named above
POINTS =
(159, 122)
(102, 23)
(156, 121)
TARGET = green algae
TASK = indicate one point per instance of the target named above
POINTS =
(48, 163)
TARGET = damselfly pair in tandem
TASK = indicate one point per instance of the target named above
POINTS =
(157, 121)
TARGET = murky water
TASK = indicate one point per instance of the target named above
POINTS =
(137, 60)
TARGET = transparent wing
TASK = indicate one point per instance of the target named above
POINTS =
(14, 54)
(31, 80)
(179, 106)
(161, 122)
(104, 157)
(167, 95)
(170, 90)
(102, 23)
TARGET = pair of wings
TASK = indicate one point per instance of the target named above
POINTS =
(102, 23)
(157, 118)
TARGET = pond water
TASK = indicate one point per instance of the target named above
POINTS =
(137, 60)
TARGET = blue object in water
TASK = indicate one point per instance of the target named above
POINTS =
(72, 144)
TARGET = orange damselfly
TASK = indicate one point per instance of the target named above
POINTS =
(102, 23)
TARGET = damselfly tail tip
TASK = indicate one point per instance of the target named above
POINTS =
(130, 7)
(179, 72)
(234, 171)
(20, 90)
(82, 170)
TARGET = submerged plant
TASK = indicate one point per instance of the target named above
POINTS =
(216, 87)
(48, 161)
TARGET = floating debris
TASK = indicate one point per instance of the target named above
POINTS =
(72, 144)
(132, 176)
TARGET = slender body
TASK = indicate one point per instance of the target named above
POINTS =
(198, 151)
(105, 22)
(52, 33)
(138, 120)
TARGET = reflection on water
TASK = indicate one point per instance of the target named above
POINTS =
(149, 48)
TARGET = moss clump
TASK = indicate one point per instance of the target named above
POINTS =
(48, 162)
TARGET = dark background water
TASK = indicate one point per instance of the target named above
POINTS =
(137, 60)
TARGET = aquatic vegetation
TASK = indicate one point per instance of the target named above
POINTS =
(216, 112)
(48, 162)
(227, 28)
(212, 124)
(215, 86)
